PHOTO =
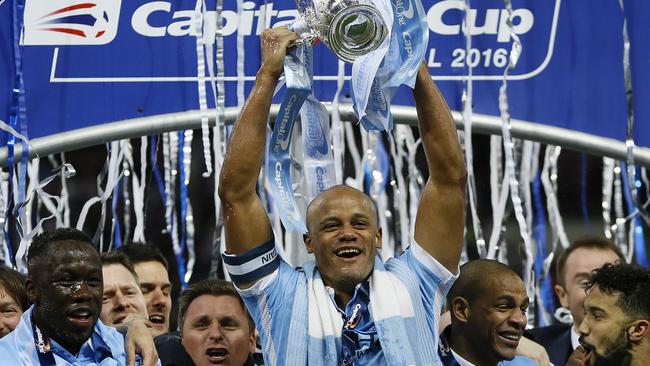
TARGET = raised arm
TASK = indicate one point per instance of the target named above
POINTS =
(245, 219)
(441, 213)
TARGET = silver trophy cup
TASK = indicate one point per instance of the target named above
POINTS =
(350, 28)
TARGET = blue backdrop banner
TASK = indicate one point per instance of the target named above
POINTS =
(89, 62)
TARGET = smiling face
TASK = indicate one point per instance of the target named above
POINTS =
(216, 331)
(497, 317)
(577, 274)
(10, 313)
(156, 289)
(122, 299)
(344, 237)
(603, 329)
(66, 289)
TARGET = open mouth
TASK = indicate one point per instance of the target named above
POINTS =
(510, 338)
(588, 348)
(348, 253)
(119, 319)
(81, 317)
(217, 354)
(157, 320)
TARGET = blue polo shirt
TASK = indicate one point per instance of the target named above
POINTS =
(270, 302)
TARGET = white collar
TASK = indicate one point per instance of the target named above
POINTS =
(461, 361)
(575, 335)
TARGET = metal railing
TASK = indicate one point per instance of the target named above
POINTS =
(483, 124)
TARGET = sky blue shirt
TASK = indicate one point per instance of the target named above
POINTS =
(270, 299)
(18, 348)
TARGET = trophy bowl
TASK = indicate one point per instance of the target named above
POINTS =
(350, 28)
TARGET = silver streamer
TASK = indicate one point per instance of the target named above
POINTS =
(139, 187)
(618, 229)
(498, 195)
(398, 153)
(32, 180)
(128, 169)
(37, 191)
(378, 194)
(218, 134)
(112, 174)
(356, 158)
(4, 201)
(337, 133)
(528, 275)
(549, 182)
(526, 172)
(170, 154)
(629, 141)
(607, 191)
(189, 242)
(200, 17)
(63, 210)
(646, 204)
(467, 100)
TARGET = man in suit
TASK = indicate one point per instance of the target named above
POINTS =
(573, 271)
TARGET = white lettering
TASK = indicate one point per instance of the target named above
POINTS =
(445, 18)
(250, 21)
(184, 26)
(494, 22)
(140, 19)
(522, 22)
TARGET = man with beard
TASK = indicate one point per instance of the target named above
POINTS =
(348, 306)
(488, 304)
(65, 284)
(615, 327)
(573, 272)
(152, 270)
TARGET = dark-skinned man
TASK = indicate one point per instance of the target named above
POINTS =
(347, 307)
(65, 284)
(488, 305)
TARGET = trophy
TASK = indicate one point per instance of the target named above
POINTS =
(350, 28)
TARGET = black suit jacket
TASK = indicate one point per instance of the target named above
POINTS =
(556, 339)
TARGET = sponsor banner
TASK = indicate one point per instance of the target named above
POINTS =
(94, 61)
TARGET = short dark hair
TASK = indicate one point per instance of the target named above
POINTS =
(41, 244)
(121, 259)
(590, 242)
(212, 287)
(143, 252)
(469, 285)
(632, 282)
(13, 282)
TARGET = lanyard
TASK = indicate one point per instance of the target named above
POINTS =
(43, 347)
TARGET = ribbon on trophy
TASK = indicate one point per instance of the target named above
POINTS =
(374, 82)
(318, 160)
(385, 40)
(278, 158)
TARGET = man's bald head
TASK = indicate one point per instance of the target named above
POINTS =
(338, 191)
(471, 283)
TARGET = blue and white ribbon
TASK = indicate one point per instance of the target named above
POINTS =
(278, 159)
(318, 161)
(376, 76)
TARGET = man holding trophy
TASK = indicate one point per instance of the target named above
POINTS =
(347, 307)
